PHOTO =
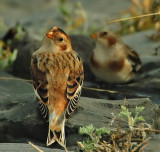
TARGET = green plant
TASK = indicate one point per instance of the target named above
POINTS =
(20, 32)
(132, 120)
(94, 136)
(7, 57)
(74, 16)
(131, 139)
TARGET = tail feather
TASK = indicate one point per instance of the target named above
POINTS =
(57, 135)
(50, 138)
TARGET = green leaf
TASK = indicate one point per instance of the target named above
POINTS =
(88, 141)
(124, 114)
(100, 131)
(89, 145)
(88, 130)
(140, 118)
(13, 57)
(139, 109)
(123, 108)
(64, 11)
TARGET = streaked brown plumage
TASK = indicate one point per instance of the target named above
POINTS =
(57, 73)
(113, 61)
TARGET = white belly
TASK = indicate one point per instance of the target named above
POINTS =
(111, 76)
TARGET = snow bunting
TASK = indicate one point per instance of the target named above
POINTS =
(57, 73)
(112, 61)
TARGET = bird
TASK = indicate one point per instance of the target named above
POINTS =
(57, 77)
(112, 61)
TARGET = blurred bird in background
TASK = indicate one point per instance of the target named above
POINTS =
(57, 73)
(112, 61)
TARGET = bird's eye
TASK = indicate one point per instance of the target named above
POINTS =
(60, 39)
(103, 34)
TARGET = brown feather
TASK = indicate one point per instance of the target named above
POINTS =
(57, 73)
(116, 66)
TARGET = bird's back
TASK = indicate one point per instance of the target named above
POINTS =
(50, 73)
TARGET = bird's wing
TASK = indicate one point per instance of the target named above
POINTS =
(40, 85)
(74, 86)
(134, 59)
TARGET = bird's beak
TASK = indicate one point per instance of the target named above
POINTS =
(50, 35)
(94, 36)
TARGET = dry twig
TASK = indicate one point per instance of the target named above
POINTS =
(34, 146)
(134, 17)
(144, 142)
(18, 79)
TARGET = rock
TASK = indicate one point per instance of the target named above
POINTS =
(25, 47)
(19, 147)
(153, 144)
(99, 111)
(143, 45)
(21, 121)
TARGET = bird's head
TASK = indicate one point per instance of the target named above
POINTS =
(108, 45)
(105, 38)
(59, 40)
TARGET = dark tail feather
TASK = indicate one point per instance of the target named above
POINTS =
(58, 136)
